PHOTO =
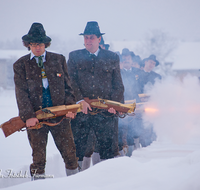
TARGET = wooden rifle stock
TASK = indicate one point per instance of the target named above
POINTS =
(16, 124)
(106, 104)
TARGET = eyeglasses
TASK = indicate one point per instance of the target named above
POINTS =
(36, 44)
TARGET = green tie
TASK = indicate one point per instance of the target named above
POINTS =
(40, 61)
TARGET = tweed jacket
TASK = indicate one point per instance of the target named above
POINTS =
(28, 83)
(95, 77)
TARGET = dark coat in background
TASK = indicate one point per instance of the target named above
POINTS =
(130, 127)
(131, 86)
(28, 83)
(148, 77)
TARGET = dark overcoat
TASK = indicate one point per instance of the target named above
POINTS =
(28, 83)
(147, 77)
(131, 84)
(98, 77)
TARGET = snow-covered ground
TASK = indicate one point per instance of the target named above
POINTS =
(172, 162)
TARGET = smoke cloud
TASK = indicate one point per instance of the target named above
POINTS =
(174, 109)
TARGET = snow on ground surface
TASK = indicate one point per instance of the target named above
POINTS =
(170, 163)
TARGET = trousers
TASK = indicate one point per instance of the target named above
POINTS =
(104, 129)
(63, 138)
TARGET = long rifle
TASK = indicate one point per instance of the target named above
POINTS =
(16, 124)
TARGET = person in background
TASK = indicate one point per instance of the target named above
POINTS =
(130, 127)
(41, 80)
(148, 78)
(103, 45)
(95, 73)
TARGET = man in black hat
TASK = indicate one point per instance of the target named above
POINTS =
(42, 80)
(94, 73)
(130, 127)
(148, 77)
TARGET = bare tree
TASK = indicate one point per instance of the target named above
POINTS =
(160, 44)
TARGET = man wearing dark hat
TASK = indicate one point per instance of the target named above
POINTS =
(148, 77)
(42, 80)
(130, 127)
(94, 73)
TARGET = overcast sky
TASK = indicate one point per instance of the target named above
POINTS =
(119, 19)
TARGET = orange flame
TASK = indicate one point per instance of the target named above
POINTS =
(150, 110)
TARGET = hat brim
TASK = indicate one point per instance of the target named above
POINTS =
(82, 34)
(28, 38)
(146, 59)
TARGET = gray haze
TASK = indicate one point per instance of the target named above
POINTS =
(119, 19)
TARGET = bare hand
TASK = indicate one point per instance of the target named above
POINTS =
(71, 115)
(31, 122)
(85, 107)
(112, 110)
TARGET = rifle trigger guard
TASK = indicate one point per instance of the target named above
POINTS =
(47, 111)
(102, 101)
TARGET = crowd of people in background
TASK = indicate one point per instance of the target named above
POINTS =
(44, 79)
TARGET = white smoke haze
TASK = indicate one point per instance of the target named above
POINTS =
(174, 109)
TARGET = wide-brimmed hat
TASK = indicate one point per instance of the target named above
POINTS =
(126, 52)
(36, 34)
(151, 57)
(92, 28)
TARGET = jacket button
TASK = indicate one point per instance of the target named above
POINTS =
(93, 85)
(40, 85)
(39, 75)
(92, 76)
(93, 95)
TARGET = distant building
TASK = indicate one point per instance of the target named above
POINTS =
(7, 58)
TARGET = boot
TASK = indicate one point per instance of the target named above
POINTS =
(121, 153)
(136, 143)
(130, 150)
(86, 163)
(95, 158)
(80, 163)
(71, 172)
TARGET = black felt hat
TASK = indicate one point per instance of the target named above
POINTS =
(151, 57)
(36, 34)
(92, 28)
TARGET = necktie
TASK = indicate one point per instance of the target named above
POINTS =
(93, 56)
(40, 61)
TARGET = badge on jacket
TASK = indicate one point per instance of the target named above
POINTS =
(59, 74)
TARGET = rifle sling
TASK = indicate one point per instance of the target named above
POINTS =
(40, 124)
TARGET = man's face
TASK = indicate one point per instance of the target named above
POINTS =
(91, 42)
(37, 49)
(149, 65)
(127, 61)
